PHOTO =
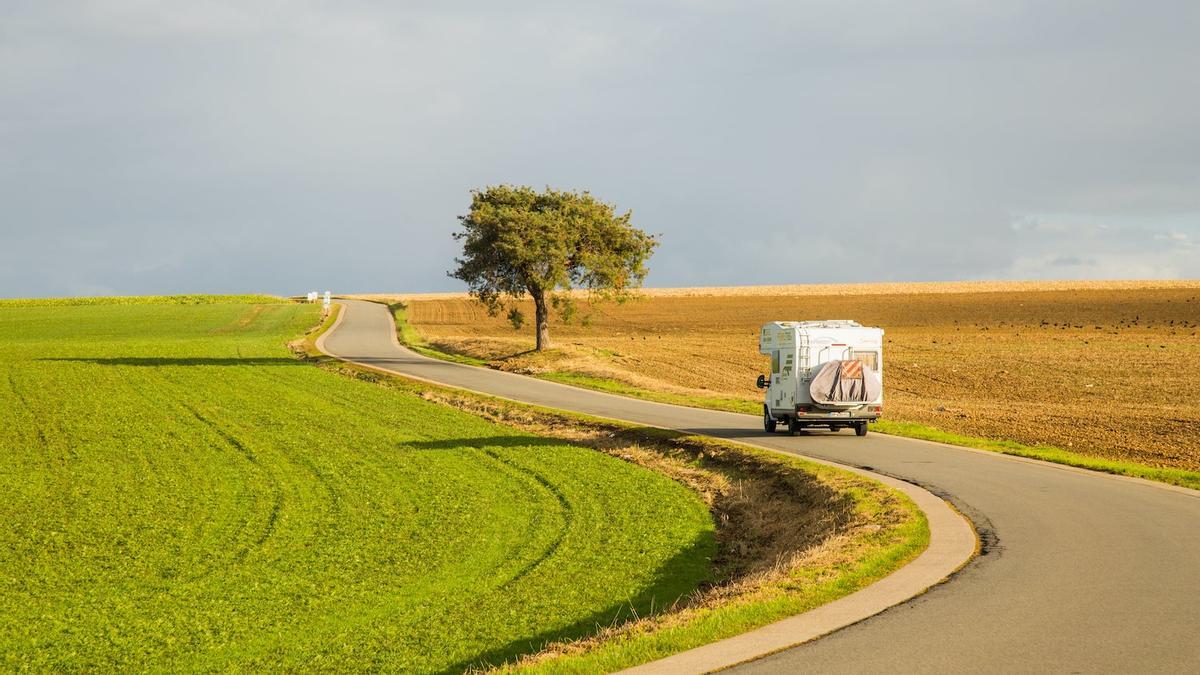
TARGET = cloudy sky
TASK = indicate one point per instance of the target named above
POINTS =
(218, 146)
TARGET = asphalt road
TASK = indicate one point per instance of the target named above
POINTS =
(1081, 572)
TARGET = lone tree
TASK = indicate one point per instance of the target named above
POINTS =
(517, 240)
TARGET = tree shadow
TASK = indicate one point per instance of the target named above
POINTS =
(448, 348)
(516, 355)
(181, 361)
(488, 442)
(674, 579)
(681, 574)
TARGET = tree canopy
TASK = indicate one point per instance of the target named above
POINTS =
(519, 241)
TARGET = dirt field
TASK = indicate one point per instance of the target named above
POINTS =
(1100, 368)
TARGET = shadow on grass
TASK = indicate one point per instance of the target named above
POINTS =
(178, 361)
(489, 442)
(776, 512)
(506, 357)
(678, 576)
(673, 580)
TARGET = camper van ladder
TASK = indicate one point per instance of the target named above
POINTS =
(803, 348)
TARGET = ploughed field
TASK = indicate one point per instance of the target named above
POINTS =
(181, 493)
(1100, 368)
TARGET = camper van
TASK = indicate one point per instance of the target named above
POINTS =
(823, 374)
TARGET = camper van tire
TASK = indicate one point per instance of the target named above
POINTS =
(860, 429)
(768, 421)
(793, 426)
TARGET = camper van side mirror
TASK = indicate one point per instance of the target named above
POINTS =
(762, 382)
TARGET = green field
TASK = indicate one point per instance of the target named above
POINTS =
(181, 493)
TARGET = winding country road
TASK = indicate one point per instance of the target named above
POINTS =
(1080, 571)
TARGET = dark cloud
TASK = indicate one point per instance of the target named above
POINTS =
(151, 147)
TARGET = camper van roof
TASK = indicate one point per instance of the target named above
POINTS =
(827, 323)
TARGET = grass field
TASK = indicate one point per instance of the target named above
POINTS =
(792, 534)
(182, 494)
(1098, 369)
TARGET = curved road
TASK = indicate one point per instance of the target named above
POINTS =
(1080, 572)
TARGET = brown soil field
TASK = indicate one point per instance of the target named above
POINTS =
(889, 288)
(1098, 368)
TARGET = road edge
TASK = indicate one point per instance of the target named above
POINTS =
(952, 544)
(319, 343)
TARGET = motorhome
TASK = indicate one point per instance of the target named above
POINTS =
(823, 374)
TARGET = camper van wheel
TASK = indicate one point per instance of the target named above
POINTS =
(768, 421)
(793, 426)
(860, 429)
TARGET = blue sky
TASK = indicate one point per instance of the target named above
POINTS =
(151, 147)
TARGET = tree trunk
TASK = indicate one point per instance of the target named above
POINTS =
(541, 320)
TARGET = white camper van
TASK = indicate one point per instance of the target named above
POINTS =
(823, 374)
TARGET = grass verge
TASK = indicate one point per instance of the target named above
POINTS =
(410, 338)
(791, 534)
(1047, 453)
(307, 346)
(617, 387)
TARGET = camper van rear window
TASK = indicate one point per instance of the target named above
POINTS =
(868, 359)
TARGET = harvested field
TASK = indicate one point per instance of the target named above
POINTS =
(1099, 368)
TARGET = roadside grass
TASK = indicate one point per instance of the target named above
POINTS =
(821, 578)
(306, 347)
(181, 493)
(1048, 453)
(617, 387)
(409, 337)
(792, 534)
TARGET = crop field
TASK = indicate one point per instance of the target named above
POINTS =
(1104, 369)
(180, 493)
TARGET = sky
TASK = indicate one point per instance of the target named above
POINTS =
(239, 146)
